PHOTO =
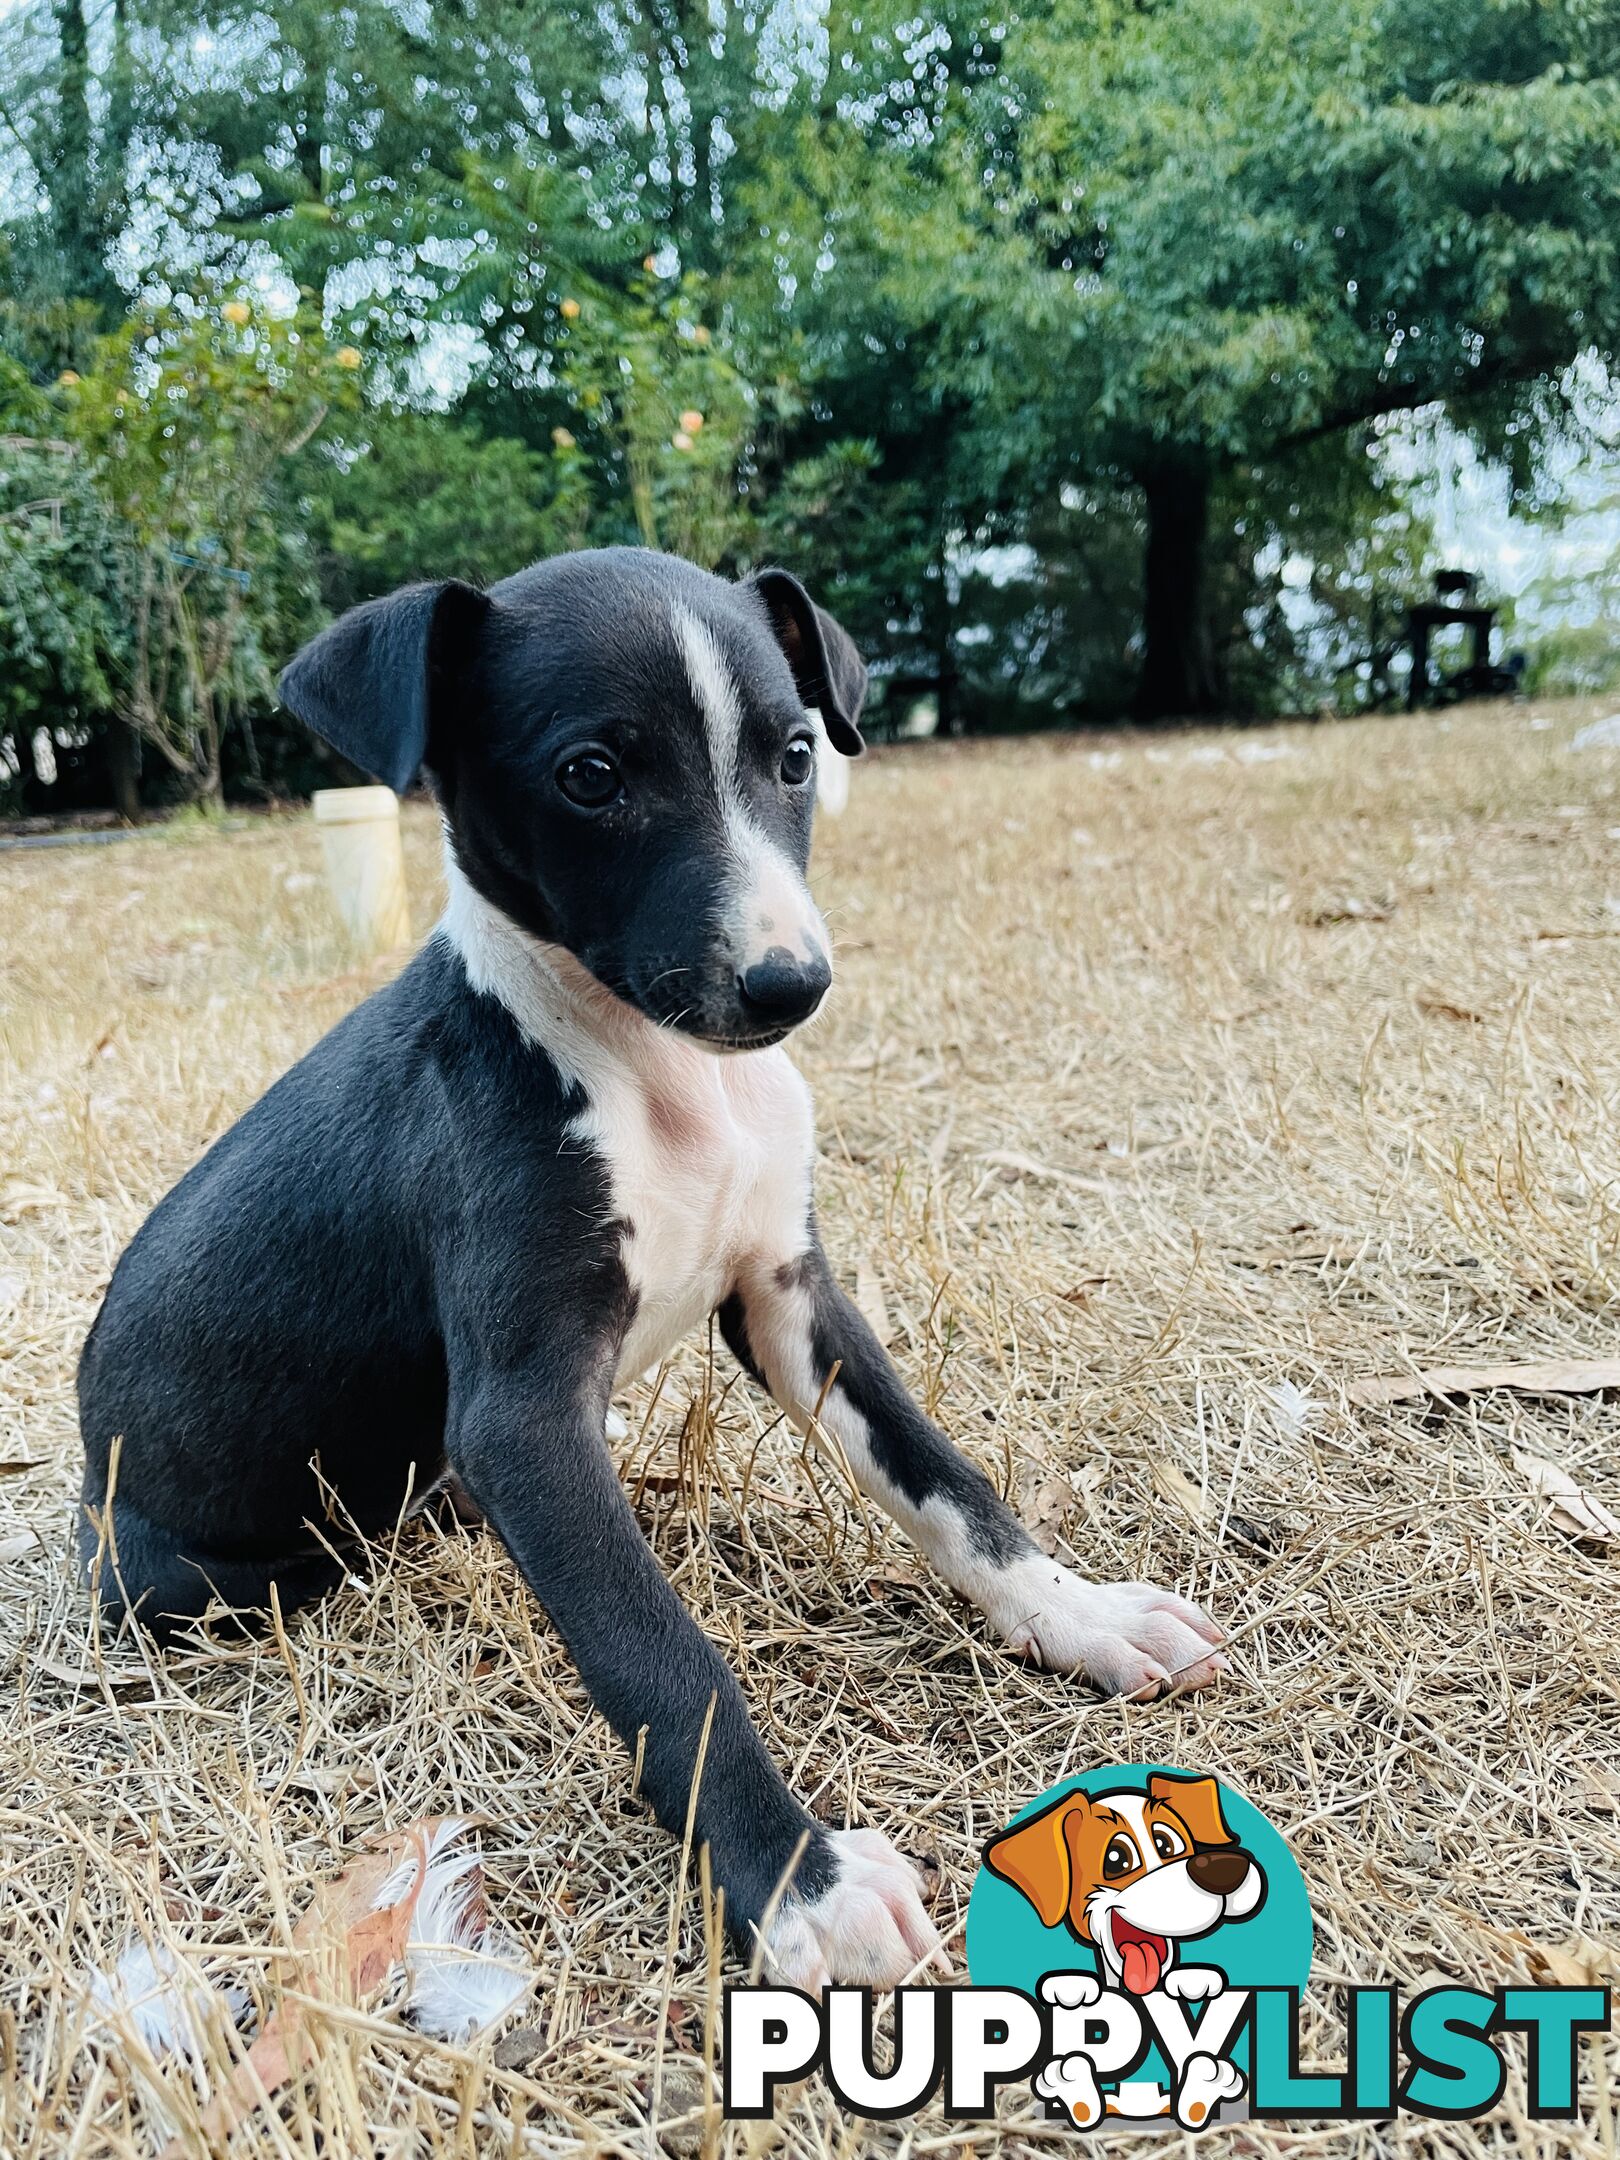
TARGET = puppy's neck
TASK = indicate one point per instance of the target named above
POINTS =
(557, 1002)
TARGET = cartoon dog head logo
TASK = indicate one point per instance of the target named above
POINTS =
(1133, 1874)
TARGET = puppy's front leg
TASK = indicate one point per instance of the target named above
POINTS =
(791, 1325)
(535, 1461)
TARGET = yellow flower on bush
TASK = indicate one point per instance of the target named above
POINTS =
(569, 310)
(680, 440)
(563, 438)
(238, 312)
(348, 356)
(692, 421)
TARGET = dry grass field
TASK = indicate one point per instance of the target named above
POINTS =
(1171, 1089)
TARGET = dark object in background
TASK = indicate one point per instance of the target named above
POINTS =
(1455, 602)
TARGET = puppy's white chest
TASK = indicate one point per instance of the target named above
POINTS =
(710, 1164)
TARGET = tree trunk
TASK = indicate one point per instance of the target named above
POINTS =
(1179, 672)
(123, 770)
(69, 181)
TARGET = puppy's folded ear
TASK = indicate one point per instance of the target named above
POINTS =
(830, 673)
(1036, 1858)
(1197, 1801)
(373, 684)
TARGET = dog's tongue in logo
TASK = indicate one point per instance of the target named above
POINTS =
(1142, 1955)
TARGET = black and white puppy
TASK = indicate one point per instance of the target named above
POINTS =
(524, 1171)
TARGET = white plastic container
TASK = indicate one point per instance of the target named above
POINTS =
(365, 865)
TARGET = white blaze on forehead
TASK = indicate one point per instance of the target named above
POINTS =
(716, 693)
(770, 904)
(1132, 1809)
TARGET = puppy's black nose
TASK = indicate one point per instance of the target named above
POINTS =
(1219, 1873)
(782, 989)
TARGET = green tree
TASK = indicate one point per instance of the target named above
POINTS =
(1276, 220)
(418, 495)
(65, 573)
(189, 423)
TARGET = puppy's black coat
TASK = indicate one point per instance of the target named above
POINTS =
(487, 1194)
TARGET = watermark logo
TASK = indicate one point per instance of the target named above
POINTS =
(1138, 1943)
(1142, 1908)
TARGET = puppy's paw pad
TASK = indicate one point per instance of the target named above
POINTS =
(1204, 2084)
(1072, 2083)
(868, 1928)
(1071, 1990)
(1194, 1983)
(1127, 1638)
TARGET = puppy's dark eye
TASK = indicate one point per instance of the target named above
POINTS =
(798, 761)
(1120, 1858)
(590, 778)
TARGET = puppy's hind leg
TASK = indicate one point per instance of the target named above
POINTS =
(143, 1569)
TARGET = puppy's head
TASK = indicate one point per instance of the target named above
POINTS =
(1132, 1873)
(626, 760)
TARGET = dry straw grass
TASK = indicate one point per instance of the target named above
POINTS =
(1159, 1074)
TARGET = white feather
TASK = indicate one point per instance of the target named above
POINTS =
(465, 1972)
(170, 2005)
(1292, 1409)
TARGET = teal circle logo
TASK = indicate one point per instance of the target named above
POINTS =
(1129, 1886)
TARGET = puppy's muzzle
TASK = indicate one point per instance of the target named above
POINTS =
(782, 989)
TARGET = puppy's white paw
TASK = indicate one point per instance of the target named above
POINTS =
(1127, 1638)
(1071, 1990)
(1204, 2083)
(1194, 1983)
(1072, 2083)
(869, 1928)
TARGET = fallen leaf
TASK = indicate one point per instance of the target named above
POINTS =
(1043, 1506)
(1339, 1251)
(1444, 1009)
(1579, 1962)
(1349, 910)
(869, 1300)
(1018, 1164)
(18, 1546)
(335, 1780)
(888, 1580)
(1085, 1292)
(1575, 1376)
(1598, 1791)
(415, 1899)
(86, 1675)
(1177, 1486)
(20, 1200)
(1573, 1509)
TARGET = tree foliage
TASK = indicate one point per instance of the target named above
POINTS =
(1053, 348)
